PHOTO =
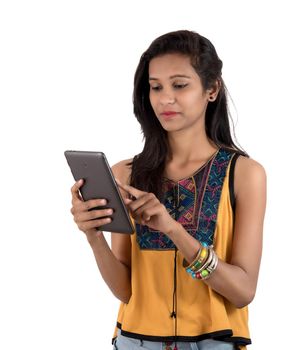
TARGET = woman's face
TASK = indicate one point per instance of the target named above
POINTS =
(176, 93)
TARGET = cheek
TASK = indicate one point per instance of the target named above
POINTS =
(194, 101)
(152, 100)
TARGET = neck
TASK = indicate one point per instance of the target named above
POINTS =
(190, 145)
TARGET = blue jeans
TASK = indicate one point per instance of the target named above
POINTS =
(126, 343)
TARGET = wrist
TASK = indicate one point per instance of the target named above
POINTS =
(173, 229)
(94, 238)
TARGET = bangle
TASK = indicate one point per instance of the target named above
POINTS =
(186, 264)
(201, 257)
(208, 270)
(207, 262)
(204, 264)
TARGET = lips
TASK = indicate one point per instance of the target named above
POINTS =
(167, 113)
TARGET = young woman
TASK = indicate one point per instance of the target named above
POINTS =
(186, 276)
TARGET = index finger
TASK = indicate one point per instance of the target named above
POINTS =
(75, 189)
(130, 190)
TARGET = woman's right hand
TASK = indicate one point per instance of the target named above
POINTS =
(87, 220)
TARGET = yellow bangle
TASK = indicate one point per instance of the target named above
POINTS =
(201, 257)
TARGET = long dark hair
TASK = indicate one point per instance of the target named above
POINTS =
(148, 166)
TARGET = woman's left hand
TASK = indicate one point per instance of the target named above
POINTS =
(146, 209)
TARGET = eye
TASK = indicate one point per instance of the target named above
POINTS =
(155, 88)
(180, 86)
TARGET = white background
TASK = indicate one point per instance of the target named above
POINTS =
(66, 80)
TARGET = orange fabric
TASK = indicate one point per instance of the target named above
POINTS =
(200, 309)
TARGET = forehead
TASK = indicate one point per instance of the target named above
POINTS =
(170, 64)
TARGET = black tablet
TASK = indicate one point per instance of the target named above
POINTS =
(98, 183)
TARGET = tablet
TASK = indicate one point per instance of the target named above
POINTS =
(98, 183)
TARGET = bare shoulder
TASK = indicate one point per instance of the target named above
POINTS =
(248, 174)
(122, 170)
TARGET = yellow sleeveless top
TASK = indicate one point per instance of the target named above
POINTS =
(167, 304)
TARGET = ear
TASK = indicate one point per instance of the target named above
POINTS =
(212, 93)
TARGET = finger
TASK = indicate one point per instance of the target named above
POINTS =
(140, 202)
(121, 186)
(77, 199)
(81, 206)
(88, 225)
(151, 211)
(127, 200)
(93, 203)
(75, 189)
(131, 190)
(118, 181)
(147, 210)
(92, 215)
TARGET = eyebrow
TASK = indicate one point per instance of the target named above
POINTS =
(173, 76)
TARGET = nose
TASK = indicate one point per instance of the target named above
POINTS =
(167, 97)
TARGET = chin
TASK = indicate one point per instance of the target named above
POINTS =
(172, 128)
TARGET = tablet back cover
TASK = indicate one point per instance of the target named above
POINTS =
(99, 182)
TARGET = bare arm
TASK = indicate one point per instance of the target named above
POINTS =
(237, 280)
(114, 271)
(114, 265)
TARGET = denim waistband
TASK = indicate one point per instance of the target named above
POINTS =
(127, 343)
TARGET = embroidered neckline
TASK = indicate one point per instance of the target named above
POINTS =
(196, 171)
(193, 202)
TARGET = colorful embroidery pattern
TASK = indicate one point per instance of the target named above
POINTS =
(193, 202)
